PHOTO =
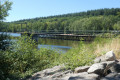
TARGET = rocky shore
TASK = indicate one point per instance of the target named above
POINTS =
(105, 67)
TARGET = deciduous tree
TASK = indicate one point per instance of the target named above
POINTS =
(5, 6)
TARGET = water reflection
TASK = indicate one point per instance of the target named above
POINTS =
(11, 34)
(57, 44)
(60, 49)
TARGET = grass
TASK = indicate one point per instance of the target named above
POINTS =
(108, 45)
(78, 56)
(85, 53)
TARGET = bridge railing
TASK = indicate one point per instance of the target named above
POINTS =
(77, 32)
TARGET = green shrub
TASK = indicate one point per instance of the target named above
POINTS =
(4, 41)
(24, 58)
(79, 56)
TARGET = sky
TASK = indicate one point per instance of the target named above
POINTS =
(27, 9)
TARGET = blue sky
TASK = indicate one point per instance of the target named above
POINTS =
(25, 9)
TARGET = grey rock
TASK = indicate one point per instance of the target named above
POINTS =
(97, 60)
(66, 77)
(110, 56)
(53, 70)
(118, 75)
(81, 69)
(105, 78)
(111, 75)
(84, 76)
(97, 68)
(109, 65)
(44, 78)
(100, 59)
(42, 75)
(116, 68)
(61, 74)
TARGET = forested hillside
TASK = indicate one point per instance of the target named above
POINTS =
(100, 19)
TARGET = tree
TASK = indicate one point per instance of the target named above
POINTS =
(5, 6)
(117, 26)
(118, 14)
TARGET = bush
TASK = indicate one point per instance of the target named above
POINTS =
(78, 56)
(24, 58)
(4, 41)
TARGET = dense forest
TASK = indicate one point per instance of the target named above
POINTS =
(100, 19)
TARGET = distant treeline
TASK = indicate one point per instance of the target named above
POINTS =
(100, 19)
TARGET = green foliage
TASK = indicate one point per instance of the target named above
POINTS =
(117, 26)
(78, 56)
(85, 53)
(118, 14)
(94, 23)
(4, 41)
(5, 6)
(101, 19)
(24, 58)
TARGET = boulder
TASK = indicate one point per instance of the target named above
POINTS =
(111, 76)
(101, 68)
(99, 59)
(110, 56)
(116, 68)
(118, 76)
(45, 73)
(81, 69)
(97, 68)
(108, 66)
(61, 74)
(53, 70)
(84, 76)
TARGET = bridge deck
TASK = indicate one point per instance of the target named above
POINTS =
(72, 36)
(75, 35)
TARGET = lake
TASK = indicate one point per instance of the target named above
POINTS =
(61, 46)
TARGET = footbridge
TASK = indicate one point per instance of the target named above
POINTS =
(72, 35)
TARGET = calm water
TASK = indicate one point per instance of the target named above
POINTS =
(57, 44)
(12, 34)
(60, 45)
